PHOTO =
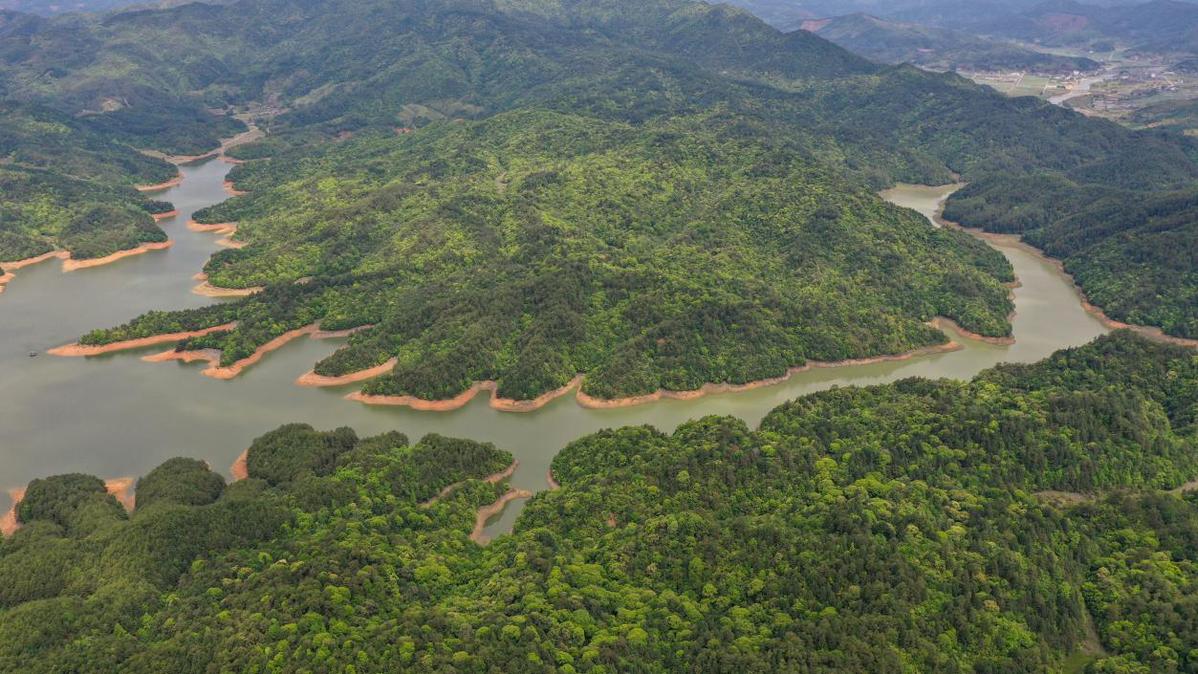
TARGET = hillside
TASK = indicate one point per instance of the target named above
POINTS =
(63, 184)
(915, 525)
(520, 191)
(937, 48)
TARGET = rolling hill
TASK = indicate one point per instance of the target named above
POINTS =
(890, 41)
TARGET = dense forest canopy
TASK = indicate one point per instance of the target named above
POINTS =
(573, 163)
(1018, 522)
(656, 194)
(64, 184)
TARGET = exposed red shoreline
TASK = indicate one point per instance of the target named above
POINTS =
(159, 217)
(249, 135)
(1150, 332)
(219, 228)
(313, 380)
(1016, 241)
(479, 535)
(339, 334)
(212, 356)
(173, 182)
(462, 399)
(943, 323)
(590, 402)
(206, 289)
(69, 265)
(228, 229)
(80, 351)
(8, 268)
(231, 190)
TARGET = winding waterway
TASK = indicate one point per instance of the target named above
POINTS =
(117, 416)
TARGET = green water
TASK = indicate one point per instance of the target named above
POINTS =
(118, 416)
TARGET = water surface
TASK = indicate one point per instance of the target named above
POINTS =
(118, 416)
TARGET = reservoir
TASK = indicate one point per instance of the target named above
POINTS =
(117, 416)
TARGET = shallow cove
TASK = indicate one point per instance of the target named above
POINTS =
(117, 416)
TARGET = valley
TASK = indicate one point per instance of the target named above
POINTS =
(597, 336)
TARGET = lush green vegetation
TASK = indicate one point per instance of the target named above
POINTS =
(559, 232)
(1132, 253)
(566, 167)
(895, 528)
(535, 246)
(64, 185)
(182, 481)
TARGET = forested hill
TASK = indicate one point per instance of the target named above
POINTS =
(574, 162)
(916, 526)
(64, 183)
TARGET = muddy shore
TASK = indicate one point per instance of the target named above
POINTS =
(80, 351)
(313, 380)
(479, 534)
(213, 357)
(590, 402)
(166, 185)
(462, 399)
(69, 265)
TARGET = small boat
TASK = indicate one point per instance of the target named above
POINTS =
(33, 354)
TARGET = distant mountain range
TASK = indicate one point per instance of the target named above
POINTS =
(1163, 26)
(1156, 26)
(52, 7)
(891, 41)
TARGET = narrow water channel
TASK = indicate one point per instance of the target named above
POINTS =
(117, 416)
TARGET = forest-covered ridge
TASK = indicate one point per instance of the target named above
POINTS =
(363, 75)
(875, 529)
(806, 111)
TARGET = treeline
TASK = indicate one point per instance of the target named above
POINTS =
(882, 529)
